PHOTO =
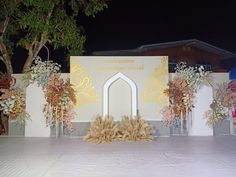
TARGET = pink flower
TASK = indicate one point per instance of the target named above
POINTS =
(232, 86)
(168, 114)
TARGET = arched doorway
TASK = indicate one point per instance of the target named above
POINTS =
(119, 99)
(107, 86)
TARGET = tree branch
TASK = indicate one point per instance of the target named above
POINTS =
(3, 25)
(5, 58)
(1, 58)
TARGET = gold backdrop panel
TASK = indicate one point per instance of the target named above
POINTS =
(88, 74)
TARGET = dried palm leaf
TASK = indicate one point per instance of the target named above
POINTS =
(102, 130)
(135, 129)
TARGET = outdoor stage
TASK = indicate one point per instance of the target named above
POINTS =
(164, 157)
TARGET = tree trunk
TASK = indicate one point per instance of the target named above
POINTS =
(6, 58)
(9, 66)
(28, 61)
(32, 52)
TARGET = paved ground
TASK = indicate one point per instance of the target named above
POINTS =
(165, 157)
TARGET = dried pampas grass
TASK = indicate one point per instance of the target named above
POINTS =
(102, 130)
(135, 129)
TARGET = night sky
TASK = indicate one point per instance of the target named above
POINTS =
(127, 24)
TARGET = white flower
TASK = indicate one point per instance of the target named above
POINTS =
(40, 69)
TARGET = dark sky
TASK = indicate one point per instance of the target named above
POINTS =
(128, 24)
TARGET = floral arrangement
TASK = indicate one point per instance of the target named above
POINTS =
(41, 71)
(181, 96)
(181, 92)
(216, 114)
(12, 104)
(102, 130)
(7, 101)
(168, 115)
(5, 81)
(60, 97)
(224, 99)
(135, 129)
(227, 94)
(105, 130)
(193, 76)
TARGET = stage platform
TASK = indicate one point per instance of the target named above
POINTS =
(164, 157)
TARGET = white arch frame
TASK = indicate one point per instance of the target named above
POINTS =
(106, 87)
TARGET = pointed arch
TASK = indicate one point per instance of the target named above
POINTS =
(106, 87)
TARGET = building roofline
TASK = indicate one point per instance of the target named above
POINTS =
(224, 54)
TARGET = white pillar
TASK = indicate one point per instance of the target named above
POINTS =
(35, 100)
(198, 127)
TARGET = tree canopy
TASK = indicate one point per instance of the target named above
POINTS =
(32, 24)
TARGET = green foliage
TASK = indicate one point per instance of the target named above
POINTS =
(92, 7)
(40, 22)
(8, 9)
(56, 20)
(65, 33)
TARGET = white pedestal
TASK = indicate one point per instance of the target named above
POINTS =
(197, 126)
(34, 106)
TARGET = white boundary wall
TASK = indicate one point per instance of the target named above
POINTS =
(35, 101)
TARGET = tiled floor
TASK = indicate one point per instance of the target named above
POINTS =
(165, 157)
